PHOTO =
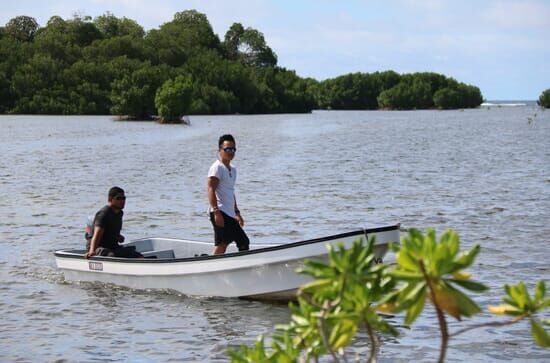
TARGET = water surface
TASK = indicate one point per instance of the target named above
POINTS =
(484, 172)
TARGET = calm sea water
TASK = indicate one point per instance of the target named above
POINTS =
(484, 172)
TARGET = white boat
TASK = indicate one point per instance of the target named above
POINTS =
(266, 272)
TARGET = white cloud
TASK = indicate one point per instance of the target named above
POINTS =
(519, 15)
(429, 6)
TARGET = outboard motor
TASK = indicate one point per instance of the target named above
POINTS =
(89, 230)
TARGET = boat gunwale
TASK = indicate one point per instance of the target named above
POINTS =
(65, 254)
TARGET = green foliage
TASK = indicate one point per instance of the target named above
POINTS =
(457, 96)
(432, 270)
(238, 83)
(13, 54)
(248, 46)
(283, 351)
(186, 36)
(22, 28)
(133, 94)
(281, 90)
(390, 90)
(355, 91)
(215, 84)
(544, 99)
(58, 41)
(111, 26)
(349, 290)
(5, 96)
(447, 98)
(470, 94)
(428, 90)
(209, 99)
(293, 93)
(238, 75)
(121, 46)
(332, 309)
(173, 98)
(519, 303)
(37, 80)
(83, 32)
(407, 95)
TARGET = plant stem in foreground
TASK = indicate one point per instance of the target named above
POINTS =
(373, 343)
(440, 316)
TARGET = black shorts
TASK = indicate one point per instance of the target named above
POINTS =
(231, 231)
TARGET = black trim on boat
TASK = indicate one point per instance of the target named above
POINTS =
(76, 253)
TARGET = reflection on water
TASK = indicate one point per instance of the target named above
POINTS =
(485, 172)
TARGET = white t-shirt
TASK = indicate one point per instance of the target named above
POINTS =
(225, 192)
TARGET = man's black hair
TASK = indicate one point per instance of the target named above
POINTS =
(226, 137)
(114, 191)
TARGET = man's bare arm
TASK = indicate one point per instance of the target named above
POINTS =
(98, 233)
(212, 186)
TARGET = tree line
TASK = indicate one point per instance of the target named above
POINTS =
(111, 65)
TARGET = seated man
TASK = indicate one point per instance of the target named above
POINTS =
(107, 226)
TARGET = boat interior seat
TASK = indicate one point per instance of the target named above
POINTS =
(159, 254)
(145, 245)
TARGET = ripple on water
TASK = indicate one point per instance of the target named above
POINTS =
(488, 180)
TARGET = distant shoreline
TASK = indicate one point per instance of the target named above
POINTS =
(508, 103)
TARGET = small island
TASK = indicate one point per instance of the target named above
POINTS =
(544, 99)
(110, 65)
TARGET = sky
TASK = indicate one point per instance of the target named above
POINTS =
(501, 46)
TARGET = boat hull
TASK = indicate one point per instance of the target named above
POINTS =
(263, 273)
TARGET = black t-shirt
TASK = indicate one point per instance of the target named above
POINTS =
(111, 222)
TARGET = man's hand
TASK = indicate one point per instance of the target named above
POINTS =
(240, 220)
(98, 233)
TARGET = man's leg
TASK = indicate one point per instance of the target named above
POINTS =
(104, 251)
(241, 239)
(127, 252)
(220, 238)
(219, 249)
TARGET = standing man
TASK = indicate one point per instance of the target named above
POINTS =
(224, 213)
(107, 227)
